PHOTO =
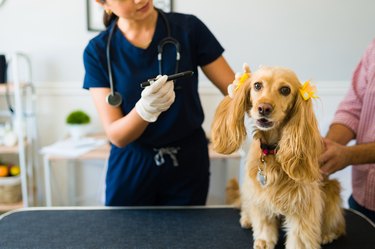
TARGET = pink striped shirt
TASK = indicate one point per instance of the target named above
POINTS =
(357, 111)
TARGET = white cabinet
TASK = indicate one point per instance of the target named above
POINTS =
(17, 108)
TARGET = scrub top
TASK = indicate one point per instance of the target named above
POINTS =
(149, 163)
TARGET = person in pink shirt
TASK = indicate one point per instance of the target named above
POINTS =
(355, 119)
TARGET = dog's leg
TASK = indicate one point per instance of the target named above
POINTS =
(245, 219)
(265, 229)
(304, 227)
(246, 201)
(302, 233)
(333, 217)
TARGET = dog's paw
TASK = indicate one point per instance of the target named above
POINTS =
(328, 238)
(262, 244)
(245, 222)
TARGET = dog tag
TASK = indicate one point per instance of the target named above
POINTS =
(262, 179)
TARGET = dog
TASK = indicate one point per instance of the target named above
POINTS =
(282, 185)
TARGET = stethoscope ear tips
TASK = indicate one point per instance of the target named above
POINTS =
(114, 99)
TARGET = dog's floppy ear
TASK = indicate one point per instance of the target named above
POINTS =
(301, 143)
(228, 128)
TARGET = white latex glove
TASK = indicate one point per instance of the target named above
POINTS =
(232, 87)
(155, 99)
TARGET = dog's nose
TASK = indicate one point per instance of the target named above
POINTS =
(265, 109)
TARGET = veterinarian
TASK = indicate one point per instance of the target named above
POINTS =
(159, 152)
(355, 119)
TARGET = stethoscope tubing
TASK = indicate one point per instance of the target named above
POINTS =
(114, 98)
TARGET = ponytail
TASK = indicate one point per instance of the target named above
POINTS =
(108, 18)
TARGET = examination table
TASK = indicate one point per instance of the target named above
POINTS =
(140, 227)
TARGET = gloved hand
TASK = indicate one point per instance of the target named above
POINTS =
(155, 99)
(238, 80)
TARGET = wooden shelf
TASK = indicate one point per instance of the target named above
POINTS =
(10, 85)
(3, 88)
(9, 207)
(103, 153)
(21, 94)
(10, 149)
(100, 153)
(214, 155)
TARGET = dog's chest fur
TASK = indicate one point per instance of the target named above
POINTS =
(280, 193)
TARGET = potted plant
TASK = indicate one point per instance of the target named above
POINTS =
(78, 122)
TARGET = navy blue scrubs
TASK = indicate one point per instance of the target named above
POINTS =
(168, 164)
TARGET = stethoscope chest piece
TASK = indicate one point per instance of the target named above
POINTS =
(114, 99)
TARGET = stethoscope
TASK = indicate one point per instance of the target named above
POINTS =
(114, 98)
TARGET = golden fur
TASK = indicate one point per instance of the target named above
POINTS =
(309, 204)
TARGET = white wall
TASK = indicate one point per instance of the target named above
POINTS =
(53, 33)
(321, 40)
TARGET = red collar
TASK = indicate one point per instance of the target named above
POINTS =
(268, 149)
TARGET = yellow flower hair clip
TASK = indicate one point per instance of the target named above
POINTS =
(308, 91)
(243, 78)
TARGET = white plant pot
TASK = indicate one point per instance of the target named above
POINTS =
(77, 131)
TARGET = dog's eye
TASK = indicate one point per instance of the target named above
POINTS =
(257, 86)
(285, 90)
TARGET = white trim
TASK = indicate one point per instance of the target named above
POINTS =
(74, 88)
(88, 208)
(362, 216)
(324, 88)
(63, 88)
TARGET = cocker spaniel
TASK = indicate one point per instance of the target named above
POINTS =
(283, 184)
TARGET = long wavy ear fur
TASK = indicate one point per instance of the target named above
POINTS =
(301, 143)
(228, 129)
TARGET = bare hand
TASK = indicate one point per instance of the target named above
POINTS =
(334, 158)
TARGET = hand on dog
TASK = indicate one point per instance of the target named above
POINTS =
(334, 158)
(232, 87)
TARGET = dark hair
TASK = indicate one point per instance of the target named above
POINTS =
(108, 18)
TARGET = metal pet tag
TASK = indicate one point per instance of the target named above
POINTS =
(261, 178)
